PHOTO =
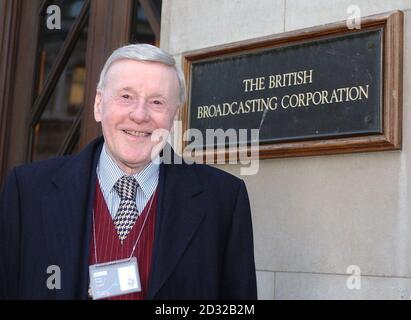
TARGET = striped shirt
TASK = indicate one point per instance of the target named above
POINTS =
(108, 173)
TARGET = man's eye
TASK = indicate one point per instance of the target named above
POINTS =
(158, 102)
(126, 96)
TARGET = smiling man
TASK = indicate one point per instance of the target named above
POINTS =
(132, 107)
(114, 223)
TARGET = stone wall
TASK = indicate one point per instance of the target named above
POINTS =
(315, 216)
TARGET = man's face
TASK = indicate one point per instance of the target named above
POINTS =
(137, 98)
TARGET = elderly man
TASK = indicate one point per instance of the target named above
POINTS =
(115, 221)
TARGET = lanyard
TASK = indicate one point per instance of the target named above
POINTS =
(138, 237)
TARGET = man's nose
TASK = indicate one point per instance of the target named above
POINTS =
(139, 112)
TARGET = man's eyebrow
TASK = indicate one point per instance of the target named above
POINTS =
(157, 95)
(127, 89)
(154, 95)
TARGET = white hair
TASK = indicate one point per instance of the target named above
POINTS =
(144, 52)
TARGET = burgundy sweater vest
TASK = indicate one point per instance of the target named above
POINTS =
(109, 247)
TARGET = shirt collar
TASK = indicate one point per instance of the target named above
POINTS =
(109, 172)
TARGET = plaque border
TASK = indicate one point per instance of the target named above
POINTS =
(391, 23)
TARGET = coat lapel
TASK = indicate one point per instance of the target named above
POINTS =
(178, 217)
(67, 207)
(66, 211)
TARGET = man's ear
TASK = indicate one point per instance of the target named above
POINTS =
(176, 118)
(98, 106)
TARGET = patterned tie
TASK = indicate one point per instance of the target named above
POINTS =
(127, 212)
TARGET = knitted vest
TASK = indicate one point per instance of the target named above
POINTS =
(108, 244)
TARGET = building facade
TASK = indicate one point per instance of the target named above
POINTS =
(325, 227)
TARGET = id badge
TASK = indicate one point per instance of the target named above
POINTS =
(114, 278)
